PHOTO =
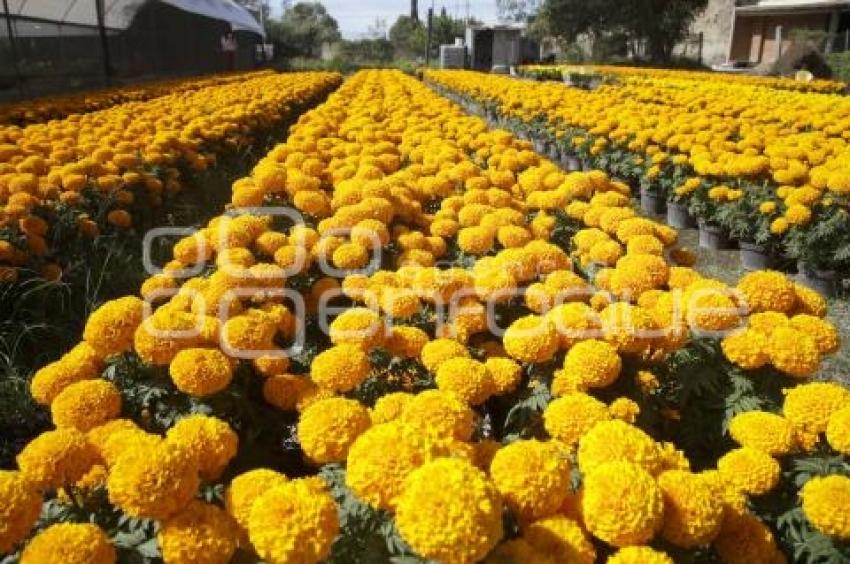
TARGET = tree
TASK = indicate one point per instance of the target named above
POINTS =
(517, 10)
(650, 26)
(377, 29)
(304, 28)
(378, 51)
(408, 37)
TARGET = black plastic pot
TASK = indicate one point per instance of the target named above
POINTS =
(540, 146)
(713, 237)
(755, 257)
(652, 203)
(825, 282)
(570, 162)
(679, 217)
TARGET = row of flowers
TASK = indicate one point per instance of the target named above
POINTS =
(456, 353)
(768, 167)
(37, 110)
(642, 74)
(72, 179)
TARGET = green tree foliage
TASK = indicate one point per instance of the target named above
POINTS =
(367, 51)
(651, 27)
(303, 29)
(408, 37)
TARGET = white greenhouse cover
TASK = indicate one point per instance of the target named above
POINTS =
(119, 13)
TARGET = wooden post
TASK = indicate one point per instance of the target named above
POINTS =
(104, 42)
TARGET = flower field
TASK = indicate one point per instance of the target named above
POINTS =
(765, 166)
(59, 107)
(644, 74)
(410, 337)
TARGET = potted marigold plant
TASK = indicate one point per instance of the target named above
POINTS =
(820, 244)
(748, 219)
(703, 205)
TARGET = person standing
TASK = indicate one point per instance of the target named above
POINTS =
(229, 47)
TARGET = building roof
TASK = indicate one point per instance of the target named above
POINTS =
(790, 6)
(118, 14)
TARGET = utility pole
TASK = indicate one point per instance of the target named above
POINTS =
(430, 29)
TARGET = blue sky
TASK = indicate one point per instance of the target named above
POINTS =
(356, 16)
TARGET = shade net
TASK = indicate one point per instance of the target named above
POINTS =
(57, 45)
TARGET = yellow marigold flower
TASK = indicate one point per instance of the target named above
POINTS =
(798, 214)
(80, 363)
(622, 504)
(358, 326)
(439, 414)
(639, 555)
(155, 482)
(440, 350)
(624, 409)
(823, 332)
(767, 207)
(682, 276)
(375, 477)
(20, 507)
(838, 430)
(244, 490)
(271, 365)
(467, 378)
(767, 432)
(476, 240)
(531, 339)
(74, 543)
(779, 226)
(692, 514)
(517, 550)
(562, 538)
(747, 349)
(532, 476)
(793, 352)
(450, 512)
(765, 322)
(744, 539)
(767, 290)
(200, 533)
(825, 502)
(809, 301)
(328, 427)
(629, 328)
(110, 328)
(389, 407)
(749, 470)
(294, 522)
(251, 331)
(606, 252)
(85, 405)
(340, 368)
(569, 417)
(284, 391)
(201, 372)
(590, 364)
(57, 458)
(809, 406)
(617, 440)
(166, 333)
(209, 439)
(505, 374)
